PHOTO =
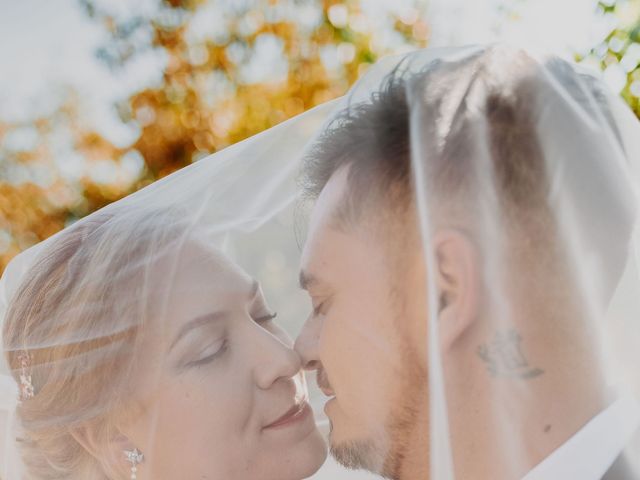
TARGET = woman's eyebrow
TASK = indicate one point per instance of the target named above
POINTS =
(196, 323)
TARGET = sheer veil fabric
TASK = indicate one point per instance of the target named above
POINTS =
(494, 190)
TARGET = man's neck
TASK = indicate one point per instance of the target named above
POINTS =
(416, 461)
(515, 423)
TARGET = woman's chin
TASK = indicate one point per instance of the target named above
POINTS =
(310, 456)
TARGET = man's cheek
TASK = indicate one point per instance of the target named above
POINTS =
(332, 334)
(336, 348)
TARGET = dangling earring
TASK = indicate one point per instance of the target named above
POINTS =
(135, 458)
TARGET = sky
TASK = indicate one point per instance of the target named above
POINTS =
(48, 44)
(559, 26)
(44, 44)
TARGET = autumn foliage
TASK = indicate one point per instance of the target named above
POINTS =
(214, 89)
(206, 99)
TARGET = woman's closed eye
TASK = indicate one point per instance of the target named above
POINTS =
(210, 353)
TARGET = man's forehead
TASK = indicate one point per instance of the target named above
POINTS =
(330, 199)
(321, 236)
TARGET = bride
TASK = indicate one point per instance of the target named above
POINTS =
(123, 376)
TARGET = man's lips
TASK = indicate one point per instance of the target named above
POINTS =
(323, 383)
(295, 412)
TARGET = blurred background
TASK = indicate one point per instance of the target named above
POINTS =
(99, 98)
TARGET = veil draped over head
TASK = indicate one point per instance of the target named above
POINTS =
(486, 196)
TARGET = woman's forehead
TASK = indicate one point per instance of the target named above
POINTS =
(198, 282)
(199, 267)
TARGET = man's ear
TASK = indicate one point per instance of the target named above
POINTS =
(106, 445)
(457, 275)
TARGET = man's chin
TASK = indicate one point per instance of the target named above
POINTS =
(371, 454)
(359, 455)
(360, 445)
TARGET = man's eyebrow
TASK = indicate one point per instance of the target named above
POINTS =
(306, 280)
(255, 289)
(196, 323)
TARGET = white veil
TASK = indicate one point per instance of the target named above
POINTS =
(524, 162)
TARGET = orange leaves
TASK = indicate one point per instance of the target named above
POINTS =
(206, 99)
(94, 146)
(26, 217)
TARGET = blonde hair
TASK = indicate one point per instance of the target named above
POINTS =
(78, 314)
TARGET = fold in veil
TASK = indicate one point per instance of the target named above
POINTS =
(246, 200)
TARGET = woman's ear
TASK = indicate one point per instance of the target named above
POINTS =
(458, 284)
(107, 445)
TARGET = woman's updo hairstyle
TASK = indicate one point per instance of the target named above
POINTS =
(77, 315)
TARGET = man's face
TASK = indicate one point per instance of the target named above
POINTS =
(355, 338)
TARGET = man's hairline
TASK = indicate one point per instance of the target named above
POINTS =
(350, 214)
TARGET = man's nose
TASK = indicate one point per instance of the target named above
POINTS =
(307, 344)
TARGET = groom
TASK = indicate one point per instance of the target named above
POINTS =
(364, 270)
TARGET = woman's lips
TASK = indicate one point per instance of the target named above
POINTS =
(296, 413)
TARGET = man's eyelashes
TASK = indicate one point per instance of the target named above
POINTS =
(317, 310)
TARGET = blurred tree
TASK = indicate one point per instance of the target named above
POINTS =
(36, 198)
(618, 55)
(232, 69)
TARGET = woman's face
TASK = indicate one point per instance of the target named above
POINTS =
(221, 393)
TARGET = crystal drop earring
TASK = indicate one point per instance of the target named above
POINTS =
(135, 458)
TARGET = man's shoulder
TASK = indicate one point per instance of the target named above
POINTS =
(621, 470)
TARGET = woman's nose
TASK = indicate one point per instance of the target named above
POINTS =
(275, 360)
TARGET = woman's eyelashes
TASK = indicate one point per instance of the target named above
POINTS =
(220, 347)
(265, 318)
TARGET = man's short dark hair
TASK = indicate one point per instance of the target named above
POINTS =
(436, 113)
(373, 139)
